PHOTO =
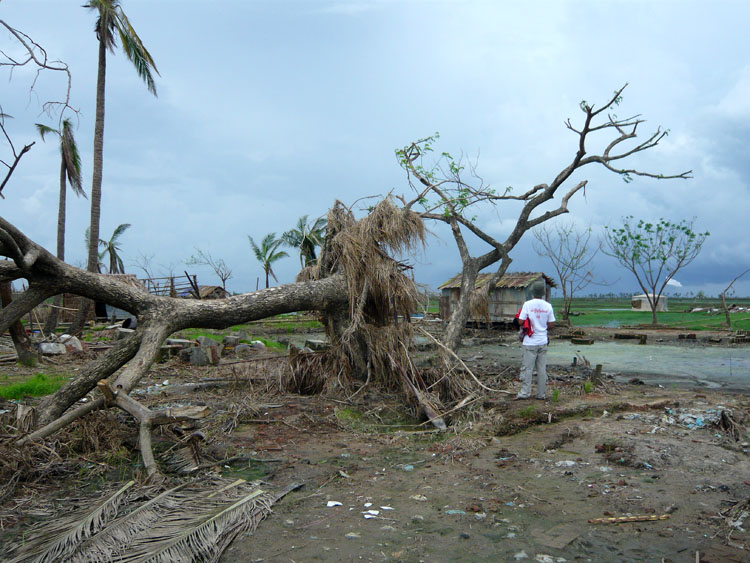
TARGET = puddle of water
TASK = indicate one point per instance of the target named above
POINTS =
(704, 366)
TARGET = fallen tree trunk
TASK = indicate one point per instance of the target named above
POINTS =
(362, 296)
(21, 342)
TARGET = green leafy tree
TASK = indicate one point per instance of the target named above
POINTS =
(267, 253)
(111, 22)
(306, 238)
(653, 252)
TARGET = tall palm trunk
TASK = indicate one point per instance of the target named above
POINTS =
(96, 183)
(96, 180)
(51, 323)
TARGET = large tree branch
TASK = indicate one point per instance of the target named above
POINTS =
(22, 305)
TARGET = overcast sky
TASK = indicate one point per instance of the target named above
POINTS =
(270, 110)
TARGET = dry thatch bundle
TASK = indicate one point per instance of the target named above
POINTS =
(479, 303)
(308, 372)
(30, 464)
(365, 252)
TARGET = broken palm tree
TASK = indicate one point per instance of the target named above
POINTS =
(193, 521)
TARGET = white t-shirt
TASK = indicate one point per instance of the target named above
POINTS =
(540, 313)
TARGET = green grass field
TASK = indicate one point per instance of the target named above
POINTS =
(617, 312)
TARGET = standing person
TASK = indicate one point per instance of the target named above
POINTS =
(535, 341)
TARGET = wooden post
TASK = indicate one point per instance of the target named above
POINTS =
(596, 378)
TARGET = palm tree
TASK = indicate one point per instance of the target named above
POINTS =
(111, 18)
(70, 172)
(112, 247)
(267, 254)
(306, 238)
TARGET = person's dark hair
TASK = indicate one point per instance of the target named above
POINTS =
(538, 291)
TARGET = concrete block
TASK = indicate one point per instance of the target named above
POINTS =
(53, 348)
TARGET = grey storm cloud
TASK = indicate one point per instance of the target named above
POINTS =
(268, 111)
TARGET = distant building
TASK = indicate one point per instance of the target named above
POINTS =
(213, 292)
(640, 303)
(504, 301)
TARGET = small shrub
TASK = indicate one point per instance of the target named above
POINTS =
(588, 387)
(556, 396)
(528, 412)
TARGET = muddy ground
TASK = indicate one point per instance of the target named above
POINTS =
(511, 480)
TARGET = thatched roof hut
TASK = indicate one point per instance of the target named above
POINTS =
(500, 306)
(213, 292)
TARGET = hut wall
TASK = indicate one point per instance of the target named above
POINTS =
(505, 303)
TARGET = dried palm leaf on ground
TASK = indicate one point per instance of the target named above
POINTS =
(194, 521)
(102, 546)
(60, 538)
(205, 534)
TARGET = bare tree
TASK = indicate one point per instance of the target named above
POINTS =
(143, 263)
(724, 299)
(34, 56)
(653, 252)
(445, 196)
(571, 254)
(218, 265)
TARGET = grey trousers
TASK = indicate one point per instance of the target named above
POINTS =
(534, 356)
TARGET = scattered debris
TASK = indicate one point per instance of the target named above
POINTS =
(625, 519)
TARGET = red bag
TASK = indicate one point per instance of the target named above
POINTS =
(526, 329)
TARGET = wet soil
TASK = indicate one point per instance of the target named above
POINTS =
(475, 496)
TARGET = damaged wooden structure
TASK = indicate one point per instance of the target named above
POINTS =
(503, 301)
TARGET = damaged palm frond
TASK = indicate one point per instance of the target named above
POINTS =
(203, 535)
(193, 521)
(103, 545)
(185, 537)
(59, 539)
(182, 460)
